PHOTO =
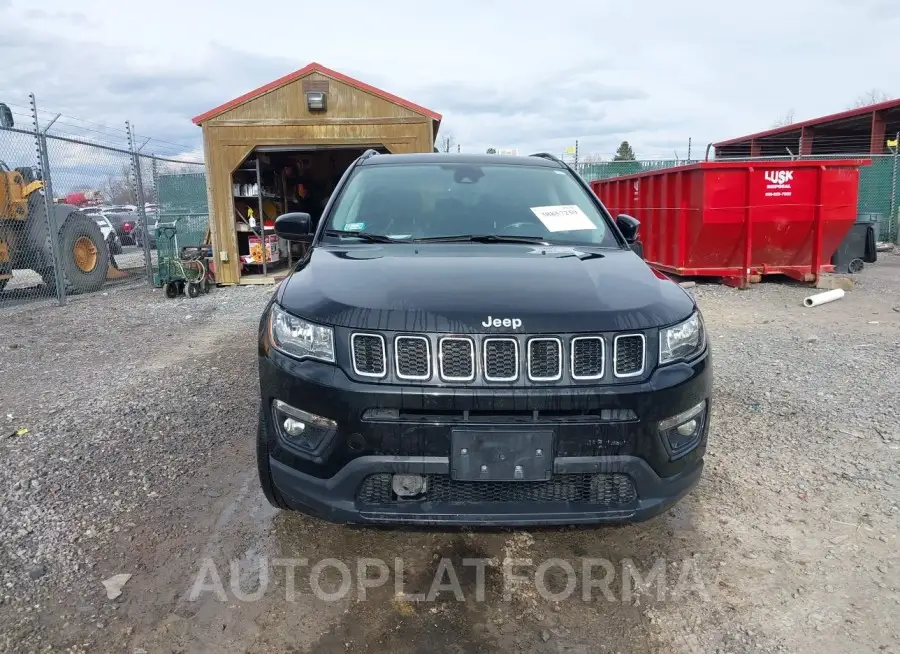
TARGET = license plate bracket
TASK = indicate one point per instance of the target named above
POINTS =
(500, 455)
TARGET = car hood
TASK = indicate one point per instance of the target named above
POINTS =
(456, 287)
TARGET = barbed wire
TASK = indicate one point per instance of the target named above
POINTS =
(93, 132)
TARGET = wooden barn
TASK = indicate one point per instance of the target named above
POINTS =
(283, 147)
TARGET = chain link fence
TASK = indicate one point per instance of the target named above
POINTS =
(80, 204)
(879, 183)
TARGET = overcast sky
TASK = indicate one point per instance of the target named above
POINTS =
(503, 73)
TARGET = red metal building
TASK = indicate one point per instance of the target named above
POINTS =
(865, 130)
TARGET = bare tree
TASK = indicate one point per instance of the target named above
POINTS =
(117, 187)
(870, 97)
(593, 157)
(447, 143)
(786, 119)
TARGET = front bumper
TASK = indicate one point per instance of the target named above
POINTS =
(588, 449)
(335, 498)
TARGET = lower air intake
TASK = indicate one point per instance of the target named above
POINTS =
(599, 489)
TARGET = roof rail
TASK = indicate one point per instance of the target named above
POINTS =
(550, 157)
(365, 155)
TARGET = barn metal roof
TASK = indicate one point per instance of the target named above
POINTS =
(303, 72)
(814, 122)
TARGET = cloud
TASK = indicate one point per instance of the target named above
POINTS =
(73, 18)
(502, 72)
(572, 89)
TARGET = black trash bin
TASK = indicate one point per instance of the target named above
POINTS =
(859, 244)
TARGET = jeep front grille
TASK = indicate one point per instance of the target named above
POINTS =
(369, 357)
(629, 355)
(505, 359)
(413, 357)
(457, 358)
(501, 359)
(544, 359)
(588, 357)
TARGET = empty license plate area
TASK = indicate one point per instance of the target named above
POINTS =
(483, 455)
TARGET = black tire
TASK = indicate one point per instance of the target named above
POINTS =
(114, 246)
(171, 290)
(262, 464)
(75, 279)
(3, 284)
(193, 290)
(205, 285)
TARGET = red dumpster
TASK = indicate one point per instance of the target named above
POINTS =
(740, 220)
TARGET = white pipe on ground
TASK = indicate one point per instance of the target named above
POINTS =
(822, 298)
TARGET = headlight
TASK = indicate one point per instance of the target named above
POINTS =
(682, 341)
(299, 338)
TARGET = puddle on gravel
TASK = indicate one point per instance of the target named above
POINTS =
(494, 613)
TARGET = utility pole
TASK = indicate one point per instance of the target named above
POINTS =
(689, 149)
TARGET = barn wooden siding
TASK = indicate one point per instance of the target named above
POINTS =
(279, 117)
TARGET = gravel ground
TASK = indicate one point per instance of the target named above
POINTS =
(139, 460)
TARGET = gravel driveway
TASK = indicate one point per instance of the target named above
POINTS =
(138, 460)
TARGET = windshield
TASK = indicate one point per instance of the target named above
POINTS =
(435, 200)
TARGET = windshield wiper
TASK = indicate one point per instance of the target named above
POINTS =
(482, 238)
(363, 236)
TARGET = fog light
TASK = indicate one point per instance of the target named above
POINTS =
(687, 428)
(682, 432)
(293, 427)
(408, 485)
(303, 429)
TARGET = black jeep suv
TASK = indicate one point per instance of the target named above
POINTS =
(473, 340)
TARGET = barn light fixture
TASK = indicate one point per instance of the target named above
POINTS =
(316, 101)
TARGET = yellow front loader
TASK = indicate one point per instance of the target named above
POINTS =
(25, 242)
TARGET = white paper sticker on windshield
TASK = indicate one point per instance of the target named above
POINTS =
(563, 218)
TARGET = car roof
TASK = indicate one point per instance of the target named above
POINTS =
(451, 158)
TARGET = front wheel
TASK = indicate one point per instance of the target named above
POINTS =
(263, 467)
(83, 254)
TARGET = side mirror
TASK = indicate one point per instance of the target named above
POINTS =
(628, 226)
(295, 226)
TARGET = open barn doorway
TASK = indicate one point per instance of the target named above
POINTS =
(276, 180)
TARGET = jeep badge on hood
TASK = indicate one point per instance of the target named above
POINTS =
(515, 323)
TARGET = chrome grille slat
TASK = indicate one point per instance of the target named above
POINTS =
(456, 358)
(588, 358)
(369, 354)
(545, 358)
(500, 358)
(630, 355)
(412, 357)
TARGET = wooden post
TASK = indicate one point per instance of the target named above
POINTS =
(262, 217)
